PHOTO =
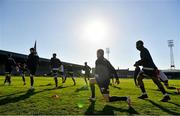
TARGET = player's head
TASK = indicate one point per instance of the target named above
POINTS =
(85, 63)
(100, 53)
(139, 44)
(32, 50)
(54, 55)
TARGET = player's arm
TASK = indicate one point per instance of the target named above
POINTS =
(112, 69)
(144, 57)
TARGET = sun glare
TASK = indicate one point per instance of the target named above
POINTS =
(95, 31)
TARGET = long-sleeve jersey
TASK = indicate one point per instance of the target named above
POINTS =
(87, 69)
(55, 63)
(10, 62)
(33, 60)
(104, 67)
(146, 59)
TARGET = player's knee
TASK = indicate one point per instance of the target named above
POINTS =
(92, 81)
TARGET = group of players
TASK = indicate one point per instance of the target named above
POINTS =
(31, 67)
(103, 73)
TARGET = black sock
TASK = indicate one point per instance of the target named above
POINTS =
(92, 86)
(6, 78)
(32, 80)
(56, 81)
(143, 89)
(23, 78)
(9, 80)
(74, 81)
(115, 98)
(162, 90)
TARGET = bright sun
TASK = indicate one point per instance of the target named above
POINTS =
(95, 31)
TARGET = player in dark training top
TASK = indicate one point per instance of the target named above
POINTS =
(103, 72)
(149, 69)
(9, 64)
(55, 66)
(32, 63)
(87, 70)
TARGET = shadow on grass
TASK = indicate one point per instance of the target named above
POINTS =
(49, 84)
(12, 94)
(114, 86)
(174, 103)
(108, 110)
(162, 108)
(28, 94)
(83, 88)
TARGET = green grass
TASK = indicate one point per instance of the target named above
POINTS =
(73, 100)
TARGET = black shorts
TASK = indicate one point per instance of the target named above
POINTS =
(8, 70)
(32, 70)
(149, 73)
(103, 85)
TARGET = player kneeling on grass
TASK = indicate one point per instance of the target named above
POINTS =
(32, 63)
(55, 65)
(149, 69)
(103, 71)
(10, 63)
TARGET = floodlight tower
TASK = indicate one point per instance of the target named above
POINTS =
(171, 45)
(107, 52)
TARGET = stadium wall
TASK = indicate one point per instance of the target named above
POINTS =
(44, 64)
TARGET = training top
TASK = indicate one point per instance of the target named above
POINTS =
(10, 62)
(55, 63)
(87, 69)
(105, 69)
(146, 59)
(33, 60)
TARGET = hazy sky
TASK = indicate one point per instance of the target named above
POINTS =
(75, 29)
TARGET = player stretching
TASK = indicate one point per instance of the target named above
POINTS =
(87, 70)
(55, 65)
(103, 72)
(149, 69)
(32, 63)
(10, 63)
(22, 71)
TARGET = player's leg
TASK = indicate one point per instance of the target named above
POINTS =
(141, 85)
(161, 88)
(92, 82)
(23, 78)
(31, 80)
(55, 74)
(105, 92)
(85, 78)
(6, 77)
(74, 81)
(9, 79)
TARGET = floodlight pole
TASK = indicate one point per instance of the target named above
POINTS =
(171, 45)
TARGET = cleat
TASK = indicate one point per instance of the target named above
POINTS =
(143, 96)
(165, 98)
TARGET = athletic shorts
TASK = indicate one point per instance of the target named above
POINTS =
(32, 70)
(103, 84)
(55, 71)
(8, 70)
(150, 73)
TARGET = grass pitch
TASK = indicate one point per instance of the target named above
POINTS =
(73, 100)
